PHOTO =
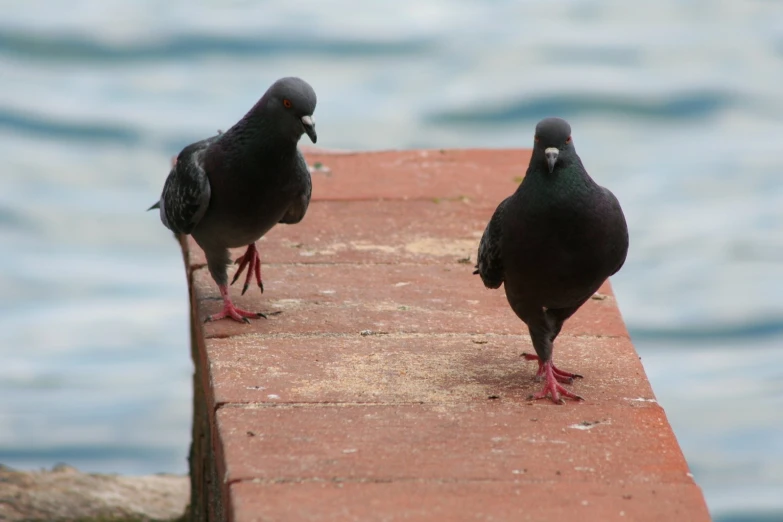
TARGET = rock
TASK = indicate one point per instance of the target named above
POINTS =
(65, 493)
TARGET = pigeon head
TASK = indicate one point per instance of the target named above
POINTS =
(553, 144)
(290, 102)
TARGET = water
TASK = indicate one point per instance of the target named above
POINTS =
(676, 106)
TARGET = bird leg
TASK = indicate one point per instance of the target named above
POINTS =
(231, 311)
(560, 375)
(252, 261)
(551, 386)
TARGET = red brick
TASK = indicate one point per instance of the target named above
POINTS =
(414, 368)
(486, 440)
(483, 175)
(391, 298)
(417, 501)
(310, 420)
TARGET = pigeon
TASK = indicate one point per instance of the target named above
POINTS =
(552, 244)
(228, 190)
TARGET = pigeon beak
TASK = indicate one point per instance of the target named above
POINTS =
(309, 126)
(551, 157)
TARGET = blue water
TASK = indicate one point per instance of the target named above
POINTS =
(676, 105)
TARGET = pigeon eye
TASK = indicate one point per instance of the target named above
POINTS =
(536, 139)
(287, 103)
(568, 139)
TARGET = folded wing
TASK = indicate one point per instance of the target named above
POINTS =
(490, 261)
(186, 193)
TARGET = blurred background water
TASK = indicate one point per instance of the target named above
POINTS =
(676, 105)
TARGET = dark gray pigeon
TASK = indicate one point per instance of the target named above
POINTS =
(553, 243)
(229, 190)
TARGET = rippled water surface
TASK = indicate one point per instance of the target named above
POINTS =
(676, 105)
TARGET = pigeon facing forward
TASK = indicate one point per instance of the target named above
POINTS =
(229, 190)
(553, 243)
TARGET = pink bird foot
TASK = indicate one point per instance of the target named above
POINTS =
(560, 375)
(231, 311)
(250, 260)
(552, 389)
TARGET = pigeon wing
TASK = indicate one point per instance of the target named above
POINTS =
(622, 244)
(490, 262)
(298, 208)
(186, 193)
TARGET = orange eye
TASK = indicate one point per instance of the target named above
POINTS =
(287, 103)
(536, 139)
(568, 140)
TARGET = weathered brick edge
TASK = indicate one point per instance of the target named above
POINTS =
(205, 495)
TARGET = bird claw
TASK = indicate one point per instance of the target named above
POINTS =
(560, 375)
(559, 378)
(554, 392)
(564, 380)
(552, 388)
(251, 261)
(247, 285)
(232, 312)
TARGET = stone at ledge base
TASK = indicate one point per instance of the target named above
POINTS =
(65, 493)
